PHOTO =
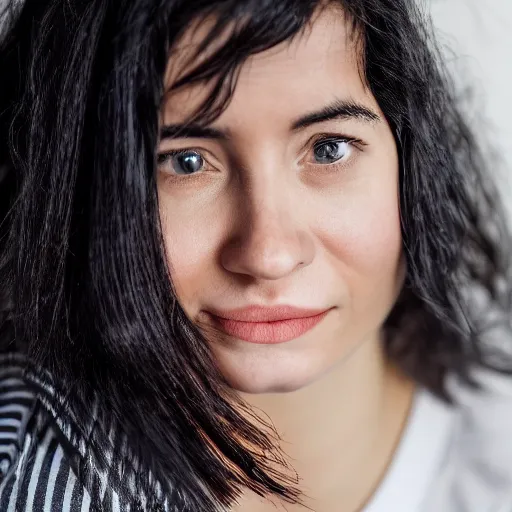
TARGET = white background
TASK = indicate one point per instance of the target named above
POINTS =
(479, 35)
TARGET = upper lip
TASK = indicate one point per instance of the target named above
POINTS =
(267, 314)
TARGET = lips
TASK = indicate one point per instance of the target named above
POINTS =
(262, 325)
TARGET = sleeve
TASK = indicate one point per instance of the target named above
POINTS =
(34, 472)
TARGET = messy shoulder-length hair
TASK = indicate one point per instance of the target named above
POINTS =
(85, 289)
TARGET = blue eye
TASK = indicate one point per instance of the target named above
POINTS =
(183, 162)
(331, 151)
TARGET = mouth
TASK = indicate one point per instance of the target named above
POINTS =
(268, 325)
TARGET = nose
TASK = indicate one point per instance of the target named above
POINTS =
(269, 240)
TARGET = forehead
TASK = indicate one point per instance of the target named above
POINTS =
(321, 64)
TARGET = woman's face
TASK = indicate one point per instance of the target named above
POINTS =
(289, 198)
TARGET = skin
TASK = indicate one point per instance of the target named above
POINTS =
(263, 222)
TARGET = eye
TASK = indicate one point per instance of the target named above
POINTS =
(330, 151)
(183, 162)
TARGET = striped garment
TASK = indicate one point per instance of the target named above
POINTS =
(35, 476)
(40, 456)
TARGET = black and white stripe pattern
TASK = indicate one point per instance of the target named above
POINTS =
(15, 406)
(35, 474)
(40, 453)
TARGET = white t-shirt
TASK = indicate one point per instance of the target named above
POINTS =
(453, 458)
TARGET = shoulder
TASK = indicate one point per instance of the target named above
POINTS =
(485, 418)
(47, 460)
(35, 473)
(476, 474)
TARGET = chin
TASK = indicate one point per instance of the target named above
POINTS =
(270, 378)
(277, 386)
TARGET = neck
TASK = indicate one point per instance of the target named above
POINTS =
(341, 431)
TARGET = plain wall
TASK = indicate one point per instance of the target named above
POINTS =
(480, 35)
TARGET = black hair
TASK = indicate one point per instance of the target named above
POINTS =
(86, 291)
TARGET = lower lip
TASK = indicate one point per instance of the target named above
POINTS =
(267, 333)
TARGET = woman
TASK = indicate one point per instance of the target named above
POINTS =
(242, 244)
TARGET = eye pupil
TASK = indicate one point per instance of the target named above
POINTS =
(188, 163)
(329, 152)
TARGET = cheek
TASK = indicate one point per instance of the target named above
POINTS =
(362, 234)
(190, 247)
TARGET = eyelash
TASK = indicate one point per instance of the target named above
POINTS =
(333, 137)
(166, 155)
(325, 138)
(319, 139)
(174, 178)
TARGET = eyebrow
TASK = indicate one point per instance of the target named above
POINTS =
(339, 109)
